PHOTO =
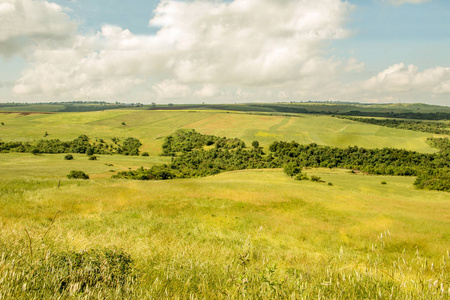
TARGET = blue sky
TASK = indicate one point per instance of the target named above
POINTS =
(225, 51)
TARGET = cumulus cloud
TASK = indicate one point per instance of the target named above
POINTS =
(171, 89)
(402, 78)
(24, 21)
(200, 45)
(402, 83)
(247, 41)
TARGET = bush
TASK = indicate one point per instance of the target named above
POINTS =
(35, 151)
(68, 157)
(145, 154)
(91, 274)
(301, 176)
(92, 157)
(77, 175)
(292, 169)
(89, 151)
(383, 182)
(92, 268)
(316, 179)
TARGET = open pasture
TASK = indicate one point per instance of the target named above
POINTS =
(248, 233)
(243, 234)
(151, 126)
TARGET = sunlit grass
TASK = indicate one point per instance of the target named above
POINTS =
(151, 126)
(200, 235)
(244, 234)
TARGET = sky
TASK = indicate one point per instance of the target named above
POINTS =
(217, 51)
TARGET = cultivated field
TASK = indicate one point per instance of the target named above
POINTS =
(243, 234)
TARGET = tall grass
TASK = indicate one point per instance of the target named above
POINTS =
(249, 234)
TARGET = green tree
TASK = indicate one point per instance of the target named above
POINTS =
(68, 157)
(74, 174)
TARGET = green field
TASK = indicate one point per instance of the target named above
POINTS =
(255, 234)
(151, 126)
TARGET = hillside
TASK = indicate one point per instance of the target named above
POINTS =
(241, 234)
(151, 126)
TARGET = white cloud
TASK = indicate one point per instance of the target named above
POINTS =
(248, 42)
(208, 91)
(245, 50)
(24, 21)
(402, 78)
(170, 89)
(239, 44)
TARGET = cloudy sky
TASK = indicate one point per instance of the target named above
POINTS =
(218, 51)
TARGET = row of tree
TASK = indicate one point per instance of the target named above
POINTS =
(81, 144)
(431, 127)
(196, 155)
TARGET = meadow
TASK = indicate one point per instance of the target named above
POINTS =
(254, 234)
(151, 126)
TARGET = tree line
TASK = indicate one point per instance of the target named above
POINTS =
(81, 144)
(197, 155)
(423, 126)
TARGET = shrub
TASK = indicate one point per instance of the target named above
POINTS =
(383, 182)
(77, 175)
(89, 151)
(292, 169)
(92, 157)
(316, 179)
(35, 151)
(68, 157)
(74, 275)
(92, 268)
(145, 154)
(301, 176)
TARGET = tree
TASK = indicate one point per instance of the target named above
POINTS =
(77, 175)
(89, 151)
(35, 151)
(292, 169)
(68, 157)
(131, 146)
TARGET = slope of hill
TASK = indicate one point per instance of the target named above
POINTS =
(150, 126)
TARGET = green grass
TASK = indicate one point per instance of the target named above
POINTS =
(254, 234)
(151, 126)
(54, 166)
(34, 108)
(246, 232)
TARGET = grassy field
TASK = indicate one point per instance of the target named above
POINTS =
(255, 234)
(151, 126)
(244, 234)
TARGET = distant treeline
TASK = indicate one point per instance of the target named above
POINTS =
(431, 127)
(339, 109)
(406, 115)
(196, 155)
(85, 108)
(384, 114)
(72, 106)
(82, 144)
